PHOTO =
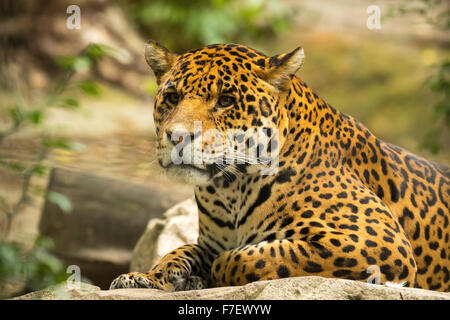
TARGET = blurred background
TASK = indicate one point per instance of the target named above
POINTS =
(81, 99)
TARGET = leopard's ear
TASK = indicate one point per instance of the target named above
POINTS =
(159, 58)
(282, 67)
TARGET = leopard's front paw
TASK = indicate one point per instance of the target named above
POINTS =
(170, 280)
(132, 280)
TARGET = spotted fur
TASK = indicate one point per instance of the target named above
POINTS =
(341, 200)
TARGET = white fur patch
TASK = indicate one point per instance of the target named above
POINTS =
(395, 284)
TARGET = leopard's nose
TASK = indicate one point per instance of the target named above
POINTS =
(169, 135)
(176, 136)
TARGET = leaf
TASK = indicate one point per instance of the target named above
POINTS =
(60, 143)
(65, 62)
(95, 51)
(431, 141)
(44, 242)
(101, 50)
(81, 64)
(12, 165)
(76, 63)
(16, 115)
(3, 205)
(77, 146)
(70, 103)
(90, 88)
(11, 265)
(60, 200)
(39, 169)
(35, 116)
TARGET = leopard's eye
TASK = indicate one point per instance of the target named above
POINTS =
(172, 98)
(225, 101)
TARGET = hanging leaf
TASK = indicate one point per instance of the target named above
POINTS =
(59, 143)
(90, 88)
(12, 166)
(70, 103)
(95, 51)
(16, 115)
(39, 169)
(81, 64)
(60, 200)
(35, 116)
(75, 63)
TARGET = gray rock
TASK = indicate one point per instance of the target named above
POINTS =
(179, 226)
(60, 292)
(298, 288)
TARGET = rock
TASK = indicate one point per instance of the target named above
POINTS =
(298, 288)
(179, 226)
(60, 292)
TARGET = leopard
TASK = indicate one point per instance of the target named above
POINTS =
(338, 203)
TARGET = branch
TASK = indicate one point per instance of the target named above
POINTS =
(4, 206)
(24, 197)
(48, 102)
(14, 128)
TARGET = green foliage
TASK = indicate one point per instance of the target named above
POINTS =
(36, 269)
(436, 13)
(89, 88)
(70, 103)
(75, 63)
(55, 143)
(440, 83)
(395, 107)
(88, 57)
(183, 25)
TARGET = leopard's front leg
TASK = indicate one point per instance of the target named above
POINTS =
(185, 268)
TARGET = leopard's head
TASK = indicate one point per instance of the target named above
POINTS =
(219, 110)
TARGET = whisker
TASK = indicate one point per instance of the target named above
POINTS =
(152, 161)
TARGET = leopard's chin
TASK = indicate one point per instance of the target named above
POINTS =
(188, 174)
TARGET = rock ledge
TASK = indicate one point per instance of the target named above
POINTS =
(298, 288)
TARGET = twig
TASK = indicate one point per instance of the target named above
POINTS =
(14, 128)
(3, 206)
(24, 197)
(50, 101)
